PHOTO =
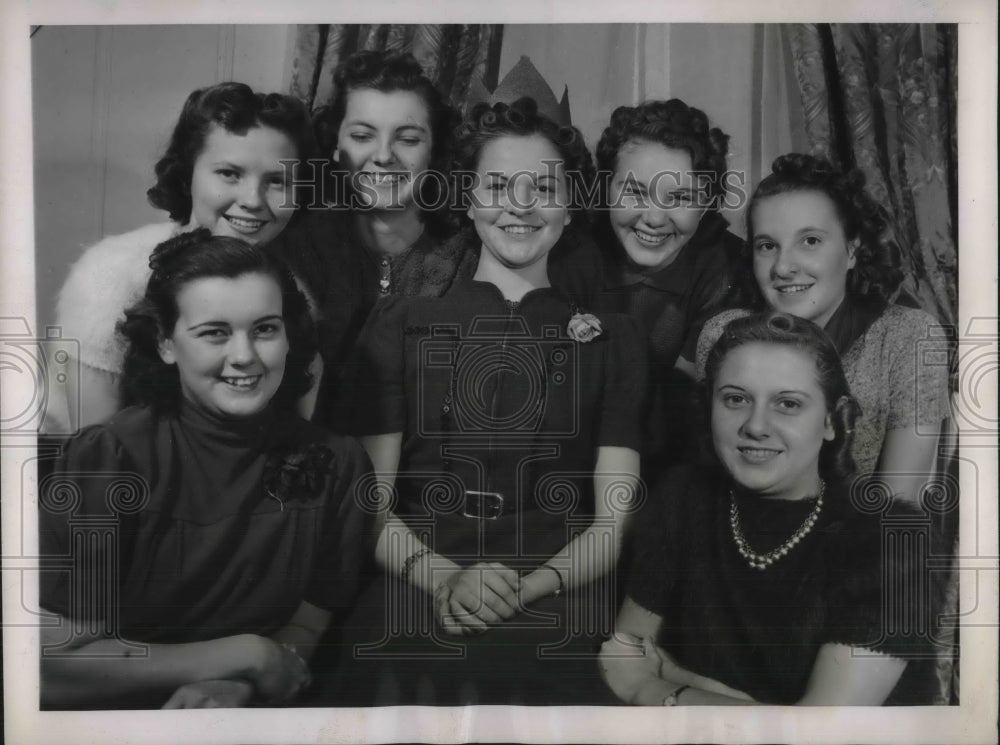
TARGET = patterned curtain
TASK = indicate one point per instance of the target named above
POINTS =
(452, 55)
(883, 97)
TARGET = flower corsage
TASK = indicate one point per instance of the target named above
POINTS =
(584, 327)
(299, 473)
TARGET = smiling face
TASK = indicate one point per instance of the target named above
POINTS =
(655, 203)
(769, 419)
(383, 142)
(800, 254)
(239, 187)
(519, 203)
(229, 343)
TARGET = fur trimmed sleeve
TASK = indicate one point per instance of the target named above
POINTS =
(109, 278)
(883, 596)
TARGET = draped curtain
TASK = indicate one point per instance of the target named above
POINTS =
(883, 97)
(452, 55)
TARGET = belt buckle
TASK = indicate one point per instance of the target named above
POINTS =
(484, 505)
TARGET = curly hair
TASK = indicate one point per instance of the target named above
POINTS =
(876, 274)
(146, 378)
(835, 460)
(387, 72)
(486, 123)
(672, 124)
(236, 108)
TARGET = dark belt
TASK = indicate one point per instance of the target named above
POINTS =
(483, 505)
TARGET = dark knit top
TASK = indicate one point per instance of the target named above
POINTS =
(219, 527)
(855, 579)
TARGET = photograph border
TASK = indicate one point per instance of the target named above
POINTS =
(973, 721)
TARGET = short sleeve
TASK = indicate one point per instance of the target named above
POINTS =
(347, 540)
(623, 398)
(73, 539)
(711, 332)
(882, 595)
(653, 544)
(372, 400)
(919, 371)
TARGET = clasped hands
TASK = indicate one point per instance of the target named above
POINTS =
(471, 599)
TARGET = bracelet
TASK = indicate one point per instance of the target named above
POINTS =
(411, 560)
(562, 586)
(674, 698)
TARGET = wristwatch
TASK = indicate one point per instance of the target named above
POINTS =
(672, 698)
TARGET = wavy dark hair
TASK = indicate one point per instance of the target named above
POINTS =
(236, 108)
(387, 72)
(486, 123)
(672, 124)
(146, 378)
(876, 274)
(835, 460)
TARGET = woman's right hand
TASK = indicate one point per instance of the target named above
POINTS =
(211, 694)
(279, 673)
(471, 599)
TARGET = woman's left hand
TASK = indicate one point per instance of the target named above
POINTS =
(671, 671)
(473, 598)
(211, 694)
(625, 652)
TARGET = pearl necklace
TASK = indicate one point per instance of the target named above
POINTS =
(763, 561)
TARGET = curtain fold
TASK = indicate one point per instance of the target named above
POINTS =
(883, 97)
(452, 55)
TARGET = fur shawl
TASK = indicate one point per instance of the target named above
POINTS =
(110, 277)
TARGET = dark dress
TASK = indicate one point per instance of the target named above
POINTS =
(323, 248)
(203, 550)
(498, 400)
(759, 631)
(671, 304)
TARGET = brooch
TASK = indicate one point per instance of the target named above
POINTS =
(300, 473)
(584, 327)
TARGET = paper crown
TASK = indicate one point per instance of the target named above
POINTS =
(524, 80)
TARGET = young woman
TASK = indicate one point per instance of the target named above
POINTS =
(761, 579)
(236, 531)
(377, 222)
(817, 249)
(668, 255)
(509, 443)
(225, 169)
